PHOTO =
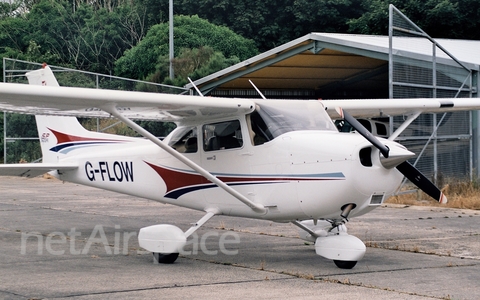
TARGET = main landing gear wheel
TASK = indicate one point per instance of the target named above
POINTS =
(345, 264)
(165, 258)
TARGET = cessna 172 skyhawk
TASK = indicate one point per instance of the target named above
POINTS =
(276, 160)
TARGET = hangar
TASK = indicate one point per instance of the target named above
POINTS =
(328, 66)
(405, 64)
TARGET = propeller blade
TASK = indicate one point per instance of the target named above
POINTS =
(363, 131)
(417, 178)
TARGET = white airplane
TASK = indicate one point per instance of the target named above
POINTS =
(278, 160)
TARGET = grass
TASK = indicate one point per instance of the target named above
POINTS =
(460, 194)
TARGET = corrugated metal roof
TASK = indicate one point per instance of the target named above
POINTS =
(326, 61)
(467, 51)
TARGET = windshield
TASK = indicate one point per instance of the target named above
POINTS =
(272, 118)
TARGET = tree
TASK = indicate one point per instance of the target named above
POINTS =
(274, 22)
(191, 63)
(192, 32)
(91, 38)
(439, 18)
(21, 126)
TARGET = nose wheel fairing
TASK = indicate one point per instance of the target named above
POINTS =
(332, 241)
(340, 247)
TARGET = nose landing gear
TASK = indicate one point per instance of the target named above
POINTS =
(332, 241)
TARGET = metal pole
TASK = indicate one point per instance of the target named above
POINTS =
(435, 148)
(171, 54)
(4, 137)
(390, 51)
(4, 121)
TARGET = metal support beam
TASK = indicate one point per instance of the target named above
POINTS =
(170, 37)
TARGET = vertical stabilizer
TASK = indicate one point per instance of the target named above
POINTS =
(53, 130)
(43, 76)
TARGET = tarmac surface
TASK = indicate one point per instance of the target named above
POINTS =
(65, 241)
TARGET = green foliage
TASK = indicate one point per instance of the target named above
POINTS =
(21, 126)
(193, 63)
(90, 38)
(216, 62)
(439, 18)
(274, 22)
(92, 35)
(159, 129)
(8, 9)
(190, 32)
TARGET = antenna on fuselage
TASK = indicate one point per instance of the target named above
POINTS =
(257, 89)
(196, 88)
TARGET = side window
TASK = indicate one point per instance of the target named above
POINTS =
(223, 135)
(184, 140)
(366, 124)
(381, 129)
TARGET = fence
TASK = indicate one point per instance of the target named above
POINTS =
(21, 143)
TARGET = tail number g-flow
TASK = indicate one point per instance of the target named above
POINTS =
(107, 171)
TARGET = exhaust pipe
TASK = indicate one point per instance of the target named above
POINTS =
(346, 209)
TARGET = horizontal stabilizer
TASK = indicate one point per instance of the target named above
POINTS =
(34, 169)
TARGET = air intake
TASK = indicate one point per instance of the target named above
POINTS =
(377, 199)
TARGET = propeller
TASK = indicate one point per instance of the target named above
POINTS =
(408, 170)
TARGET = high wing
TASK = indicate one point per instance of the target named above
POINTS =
(393, 107)
(70, 101)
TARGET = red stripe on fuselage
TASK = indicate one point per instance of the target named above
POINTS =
(175, 179)
(65, 138)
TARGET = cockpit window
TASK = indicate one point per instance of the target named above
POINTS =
(272, 118)
(222, 135)
(184, 140)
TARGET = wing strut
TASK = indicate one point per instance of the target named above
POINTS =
(111, 108)
(404, 126)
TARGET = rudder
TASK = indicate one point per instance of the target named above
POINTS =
(56, 132)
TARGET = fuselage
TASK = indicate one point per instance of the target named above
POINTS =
(296, 174)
